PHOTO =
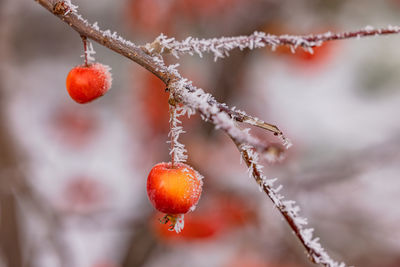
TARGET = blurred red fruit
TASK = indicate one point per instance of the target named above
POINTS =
(235, 211)
(206, 8)
(217, 215)
(320, 54)
(198, 226)
(154, 16)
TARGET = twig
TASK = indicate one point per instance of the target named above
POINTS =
(171, 126)
(221, 47)
(197, 100)
(290, 212)
(84, 40)
(241, 116)
(138, 54)
(177, 149)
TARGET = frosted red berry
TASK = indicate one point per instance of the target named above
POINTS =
(86, 83)
(173, 189)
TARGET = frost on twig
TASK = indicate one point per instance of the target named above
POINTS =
(89, 52)
(177, 150)
(197, 100)
(71, 7)
(220, 47)
(288, 209)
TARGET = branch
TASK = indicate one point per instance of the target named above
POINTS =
(195, 99)
(287, 208)
(65, 11)
(221, 47)
(241, 116)
(152, 62)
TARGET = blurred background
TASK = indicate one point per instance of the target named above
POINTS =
(73, 177)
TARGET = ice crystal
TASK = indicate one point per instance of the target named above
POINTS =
(71, 7)
(89, 52)
(179, 223)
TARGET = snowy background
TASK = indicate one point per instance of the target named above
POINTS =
(87, 164)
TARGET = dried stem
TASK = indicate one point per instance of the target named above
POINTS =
(84, 40)
(172, 135)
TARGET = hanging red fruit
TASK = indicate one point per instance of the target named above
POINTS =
(85, 83)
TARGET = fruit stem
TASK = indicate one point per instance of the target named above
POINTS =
(84, 40)
(172, 135)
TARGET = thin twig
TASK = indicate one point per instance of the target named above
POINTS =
(290, 212)
(221, 47)
(84, 40)
(241, 116)
(172, 137)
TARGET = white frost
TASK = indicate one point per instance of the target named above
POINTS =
(178, 150)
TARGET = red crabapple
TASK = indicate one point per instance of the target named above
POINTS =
(175, 189)
(88, 82)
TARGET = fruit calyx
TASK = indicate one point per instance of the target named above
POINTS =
(176, 222)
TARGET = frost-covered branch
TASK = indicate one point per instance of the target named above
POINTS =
(243, 117)
(67, 12)
(287, 208)
(220, 47)
(196, 100)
